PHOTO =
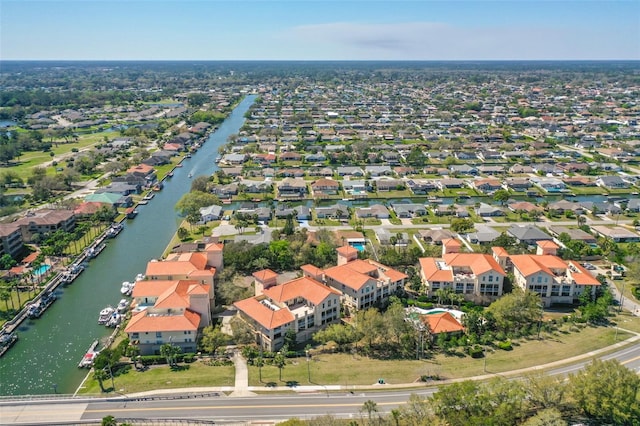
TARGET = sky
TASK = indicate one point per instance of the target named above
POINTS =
(319, 30)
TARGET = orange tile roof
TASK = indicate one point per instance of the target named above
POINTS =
(529, 264)
(214, 247)
(393, 274)
(264, 316)
(432, 272)
(144, 322)
(499, 251)
(304, 287)
(361, 266)
(442, 323)
(152, 288)
(478, 262)
(583, 277)
(547, 244)
(347, 276)
(312, 269)
(346, 251)
(183, 264)
(451, 242)
(264, 275)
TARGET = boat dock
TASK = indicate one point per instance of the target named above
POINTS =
(6, 341)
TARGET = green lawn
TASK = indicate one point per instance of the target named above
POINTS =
(196, 374)
(346, 369)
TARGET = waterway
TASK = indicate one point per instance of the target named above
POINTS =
(44, 360)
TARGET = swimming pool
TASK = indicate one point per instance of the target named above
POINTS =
(357, 246)
(41, 269)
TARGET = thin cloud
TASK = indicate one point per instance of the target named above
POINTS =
(436, 40)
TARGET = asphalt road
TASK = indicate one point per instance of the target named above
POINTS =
(222, 409)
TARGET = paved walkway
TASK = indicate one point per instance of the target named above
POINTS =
(242, 376)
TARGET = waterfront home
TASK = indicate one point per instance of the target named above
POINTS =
(350, 171)
(409, 210)
(322, 187)
(303, 305)
(234, 159)
(554, 279)
(488, 185)
(337, 211)
(421, 186)
(517, 184)
(524, 206)
(210, 213)
(450, 183)
(389, 185)
(299, 212)
(612, 182)
(45, 221)
(377, 211)
(168, 311)
(486, 210)
(116, 200)
(11, 241)
(148, 173)
(562, 206)
(291, 188)
(549, 184)
(357, 188)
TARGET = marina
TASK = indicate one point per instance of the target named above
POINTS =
(36, 309)
(63, 329)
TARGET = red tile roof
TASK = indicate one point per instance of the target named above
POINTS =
(442, 323)
(263, 315)
(304, 287)
(144, 322)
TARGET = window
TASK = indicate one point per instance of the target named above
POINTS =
(158, 334)
(490, 278)
(539, 279)
(135, 335)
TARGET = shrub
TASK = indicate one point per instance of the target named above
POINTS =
(505, 346)
(152, 359)
(475, 351)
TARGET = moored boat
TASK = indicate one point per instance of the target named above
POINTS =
(122, 306)
(105, 315)
(90, 356)
(36, 308)
(6, 341)
(114, 230)
(114, 320)
(127, 288)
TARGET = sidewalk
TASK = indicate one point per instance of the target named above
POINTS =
(242, 389)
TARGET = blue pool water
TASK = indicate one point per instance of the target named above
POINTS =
(358, 246)
(41, 269)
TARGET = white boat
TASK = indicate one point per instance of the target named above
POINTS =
(190, 175)
(126, 288)
(90, 356)
(114, 320)
(140, 277)
(105, 315)
(122, 306)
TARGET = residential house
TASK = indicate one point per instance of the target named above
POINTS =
(378, 170)
(450, 183)
(435, 236)
(463, 169)
(350, 171)
(612, 182)
(549, 184)
(562, 206)
(292, 188)
(524, 206)
(517, 184)
(487, 186)
(357, 188)
(322, 187)
(486, 210)
(442, 323)
(337, 211)
(210, 213)
(483, 235)
(527, 234)
(421, 186)
(574, 233)
(148, 173)
(377, 211)
(616, 234)
(115, 200)
(233, 159)
(409, 210)
(389, 184)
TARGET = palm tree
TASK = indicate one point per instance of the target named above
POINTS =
(370, 407)
(100, 375)
(279, 361)
(581, 219)
(441, 293)
(5, 296)
(259, 363)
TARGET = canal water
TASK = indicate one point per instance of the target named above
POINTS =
(44, 360)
